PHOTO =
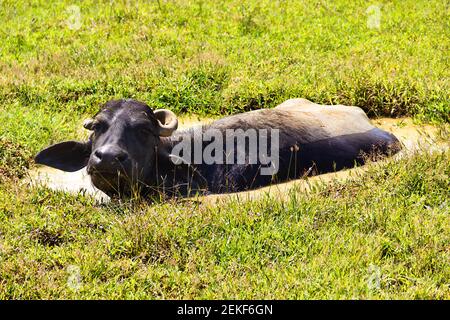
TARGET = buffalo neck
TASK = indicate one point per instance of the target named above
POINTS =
(169, 178)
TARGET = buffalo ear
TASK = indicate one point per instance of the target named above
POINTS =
(67, 156)
(89, 124)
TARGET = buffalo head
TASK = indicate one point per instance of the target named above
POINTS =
(121, 150)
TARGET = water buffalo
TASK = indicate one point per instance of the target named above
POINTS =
(135, 149)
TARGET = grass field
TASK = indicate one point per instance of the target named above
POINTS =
(386, 234)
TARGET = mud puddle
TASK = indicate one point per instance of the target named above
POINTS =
(413, 137)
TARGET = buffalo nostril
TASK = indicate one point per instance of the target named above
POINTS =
(109, 155)
(98, 154)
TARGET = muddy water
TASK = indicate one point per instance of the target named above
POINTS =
(410, 135)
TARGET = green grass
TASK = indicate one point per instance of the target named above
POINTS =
(218, 57)
(390, 226)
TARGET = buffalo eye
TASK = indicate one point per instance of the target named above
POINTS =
(142, 129)
(144, 132)
(99, 127)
